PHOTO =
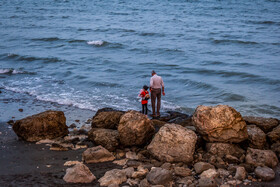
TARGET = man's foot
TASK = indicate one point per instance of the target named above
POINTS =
(153, 115)
(158, 115)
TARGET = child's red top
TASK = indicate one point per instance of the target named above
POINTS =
(143, 94)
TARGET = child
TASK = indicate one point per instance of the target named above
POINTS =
(145, 97)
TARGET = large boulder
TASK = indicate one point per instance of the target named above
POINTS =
(274, 135)
(173, 143)
(78, 174)
(107, 119)
(115, 176)
(223, 149)
(257, 157)
(97, 154)
(159, 176)
(266, 124)
(221, 123)
(265, 173)
(135, 129)
(107, 138)
(45, 125)
(256, 136)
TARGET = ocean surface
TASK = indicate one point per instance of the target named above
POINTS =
(85, 55)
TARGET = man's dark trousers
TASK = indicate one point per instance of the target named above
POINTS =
(156, 93)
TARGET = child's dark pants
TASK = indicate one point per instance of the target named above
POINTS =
(144, 108)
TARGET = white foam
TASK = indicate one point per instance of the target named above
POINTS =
(96, 42)
(5, 71)
(10, 71)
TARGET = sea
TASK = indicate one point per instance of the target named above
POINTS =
(79, 56)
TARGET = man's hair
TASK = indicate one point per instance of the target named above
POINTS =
(153, 72)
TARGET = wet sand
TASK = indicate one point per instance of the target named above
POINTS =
(30, 164)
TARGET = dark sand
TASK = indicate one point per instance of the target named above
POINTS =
(25, 164)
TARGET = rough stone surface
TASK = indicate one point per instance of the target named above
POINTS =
(115, 176)
(202, 166)
(276, 148)
(265, 173)
(129, 171)
(210, 173)
(107, 138)
(266, 124)
(221, 123)
(256, 136)
(182, 171)
(78, 174)
(45, 125)
(207, 182)
(135, 129)
(106, 119)
(140, 173)
(159, 176)
(223, 149)
(240, 173)
(274, 135)
(97, 154)
(144, 183)
(257, 157)
(173, 143)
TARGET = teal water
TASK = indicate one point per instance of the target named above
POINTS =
(93, 54)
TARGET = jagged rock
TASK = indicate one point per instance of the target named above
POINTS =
(144, 183)
(274, 135)
(135, 129)
(256, 136)
(210, 173)
(166, 165)
(61, 146)
(133, 182)
(232, 159)
(107, 138)
(72, 163)
(79, 174)
(140, 173)
(223, 173)
(131, 155)
(186, 180)
(266, 124)
(223, 149)
(129, 171)
(106, 119)
(240, 173)
(257, 157)
(182, 171)
(207, 182)
(72, 126)
(220, 124)
(173, 143)
(133, 163)
(276, 148)
(159, 176)
(202, 166)
(45, 125)
(265, 173)
(115, 176)
(121, 162)
(97, 154)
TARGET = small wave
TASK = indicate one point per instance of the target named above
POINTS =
(32, 58)
(217, 41)
(13, 71)
(49, 39)
(96, 42)
(264, 22)
(151, 34)
(76, 41)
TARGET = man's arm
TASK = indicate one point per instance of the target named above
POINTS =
(162, 86)
(151, 84)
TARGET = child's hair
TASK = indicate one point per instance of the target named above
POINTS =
(145, 87)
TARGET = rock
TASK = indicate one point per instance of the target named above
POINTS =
(133, 182)
(97, 154)
(257, 157)
(256, 136)
(144, 183)
(71, 163)
(107, 138)
(207, 182)
(115, 176)
(158, 123)
(78, 174)
(129, 171)
(121, 162)
(45, 125)
(72, 126)
(135, 129)
(46, 141)
(274, 135)
(173, 143)
(240, 173)
(223, 173)
(11, 122)
(202, 166)
(166, 165)
(232, 159)
(140, 173)
(210, 173)
(186, 180)
(220, 124)
(276, 148)
(61, 147)
(266, 124)
(182, 171)
(223, 149)
(133, 163)
(131, 155)
(159, 176)
(265, 173)
(106, 119)
(20, 110)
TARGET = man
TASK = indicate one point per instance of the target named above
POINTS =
(156, 86)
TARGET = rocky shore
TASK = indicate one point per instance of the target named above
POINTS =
(215, 146)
